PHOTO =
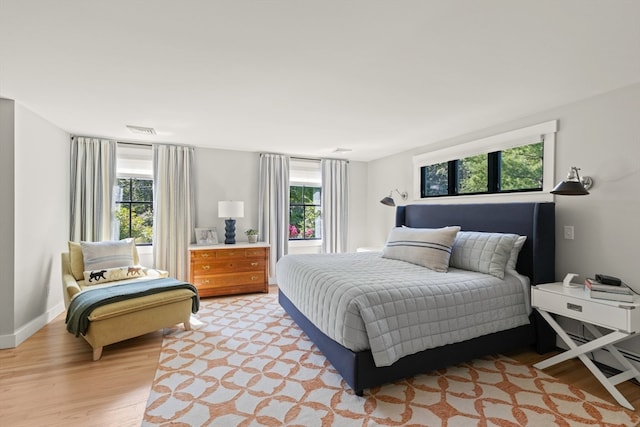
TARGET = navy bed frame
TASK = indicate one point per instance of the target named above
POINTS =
(536, 260)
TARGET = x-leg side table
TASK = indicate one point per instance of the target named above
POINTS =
(623, 319)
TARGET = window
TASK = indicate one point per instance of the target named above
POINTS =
(134, 209)
(305, 200)
(517, 164)
(511, 170)
(134, 197)
(304, 212)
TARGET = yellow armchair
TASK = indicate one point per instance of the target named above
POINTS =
(122, 320)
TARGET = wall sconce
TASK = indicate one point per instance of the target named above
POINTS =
(573, 185)
(230, 209)
(388, 201)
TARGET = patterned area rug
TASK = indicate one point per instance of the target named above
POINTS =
(249, 364)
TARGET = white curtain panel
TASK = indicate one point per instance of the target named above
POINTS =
(93, 181)
(273, 207)
(335, 204)
(173, 208)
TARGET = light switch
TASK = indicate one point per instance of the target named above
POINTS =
(568, 232)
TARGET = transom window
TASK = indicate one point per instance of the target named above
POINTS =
(516, 165)
(510, 170)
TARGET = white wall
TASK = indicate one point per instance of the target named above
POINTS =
(226, 175)
(600, 135)
(385, 175)
(234, 175)
(7, 217)
(41, 224)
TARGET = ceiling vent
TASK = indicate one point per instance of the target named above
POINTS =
(141, 130)
(342, 150)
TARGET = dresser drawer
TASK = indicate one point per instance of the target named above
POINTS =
(197, 255)
(240, 253)
(222, 280)
(205, 267)
(611, 316)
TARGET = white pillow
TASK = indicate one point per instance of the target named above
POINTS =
(95, 277)
(513, 259)
(428, 247)
(483, 252)
(108, 254)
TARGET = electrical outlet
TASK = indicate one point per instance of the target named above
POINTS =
(568, 232)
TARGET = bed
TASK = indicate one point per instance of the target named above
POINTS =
(364, 365)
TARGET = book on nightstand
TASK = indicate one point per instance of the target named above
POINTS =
(599, 290)
(594, 285)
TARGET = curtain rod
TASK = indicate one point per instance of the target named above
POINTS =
(315, 159)
(132, 142)
(140, 144)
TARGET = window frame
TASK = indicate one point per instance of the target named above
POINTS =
(305, 171)
(494, 176)
(495, 143)
(304, 206)
(119, 203)
(134, 161)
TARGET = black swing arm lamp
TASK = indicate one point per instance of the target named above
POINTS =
(573, 185)
(388, 201)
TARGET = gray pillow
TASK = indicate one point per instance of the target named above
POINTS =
(483, 252)
(109, 254)
(513, 258)
(428, 247)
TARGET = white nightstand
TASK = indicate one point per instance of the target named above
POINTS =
(622, 318)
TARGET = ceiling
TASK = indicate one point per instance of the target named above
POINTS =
(308, 77)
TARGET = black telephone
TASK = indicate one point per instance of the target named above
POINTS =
(608, 280)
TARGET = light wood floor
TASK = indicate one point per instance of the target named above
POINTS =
(50, 380)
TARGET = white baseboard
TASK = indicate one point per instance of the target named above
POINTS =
(19, 336)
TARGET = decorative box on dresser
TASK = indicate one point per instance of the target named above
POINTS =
(229, 269)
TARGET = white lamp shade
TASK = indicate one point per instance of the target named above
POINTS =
(230, 209)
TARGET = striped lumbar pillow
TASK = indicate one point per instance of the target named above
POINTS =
(428, 247)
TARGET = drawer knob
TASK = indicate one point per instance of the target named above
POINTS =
(205, 255)
(205, 282)
(254, 264)
(254, 277)
(574, 307)
(206, 267)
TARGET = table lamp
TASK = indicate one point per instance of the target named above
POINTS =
(230, 209)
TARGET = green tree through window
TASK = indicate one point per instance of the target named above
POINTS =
(511, 170)
(134, 209)
(304, 212)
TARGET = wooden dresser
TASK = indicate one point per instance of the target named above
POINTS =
(229, 269)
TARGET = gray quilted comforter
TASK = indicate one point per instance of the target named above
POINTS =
(394, 308)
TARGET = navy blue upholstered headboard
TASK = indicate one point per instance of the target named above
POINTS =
(534, 220)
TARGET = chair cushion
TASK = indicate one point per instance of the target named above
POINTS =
(138, 304)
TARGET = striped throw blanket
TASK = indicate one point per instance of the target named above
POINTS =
(86, 301)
